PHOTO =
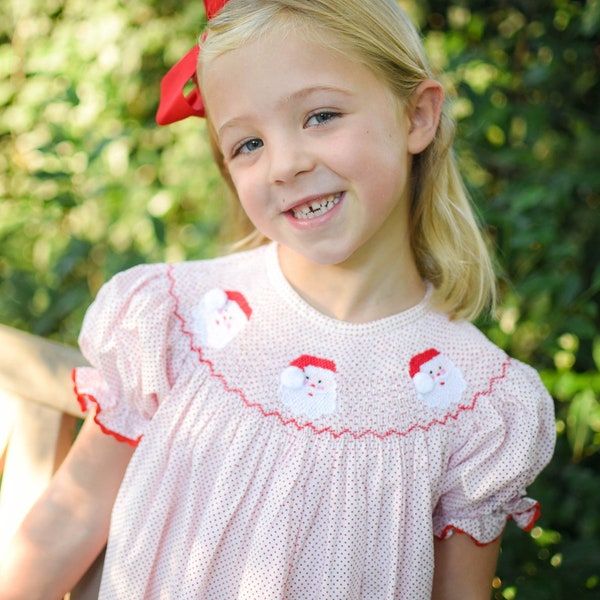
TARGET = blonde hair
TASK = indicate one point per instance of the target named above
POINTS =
(448, 245)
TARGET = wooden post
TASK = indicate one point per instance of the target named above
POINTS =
(38, 416)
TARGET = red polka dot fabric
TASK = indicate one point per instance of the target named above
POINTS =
(282, 454)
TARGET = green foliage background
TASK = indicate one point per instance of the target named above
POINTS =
(89, 185)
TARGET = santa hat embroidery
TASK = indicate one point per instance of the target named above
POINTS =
(305, 360)
(241, 301)
(293, 376)
(416, 362)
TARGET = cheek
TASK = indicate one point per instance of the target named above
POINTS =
(239, 183)
(249, 196)
(382, 164)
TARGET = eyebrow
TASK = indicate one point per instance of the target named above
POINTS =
(304, 92)
(297, 95)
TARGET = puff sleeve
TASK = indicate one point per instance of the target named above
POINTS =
(126, 339)
(509, 440)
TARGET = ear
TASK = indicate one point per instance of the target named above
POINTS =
(425, 109)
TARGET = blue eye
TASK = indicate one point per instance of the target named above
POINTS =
(248, 147)
(321, 117)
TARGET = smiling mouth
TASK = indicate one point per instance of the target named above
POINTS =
(316, 208)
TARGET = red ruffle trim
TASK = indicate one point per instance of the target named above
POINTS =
(537, 513)
(86, 400)
(449, 529)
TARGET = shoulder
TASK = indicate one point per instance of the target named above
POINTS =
(153, 278)
(243, 273)
(135, 279)
(482, 357)
(157, 289)
(489, 373)
(464, 342)
(230, 266)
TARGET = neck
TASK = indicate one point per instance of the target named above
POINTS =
(357, 291)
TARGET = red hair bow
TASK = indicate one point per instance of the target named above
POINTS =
(174, 106)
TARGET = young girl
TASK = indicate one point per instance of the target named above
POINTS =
(314, 417)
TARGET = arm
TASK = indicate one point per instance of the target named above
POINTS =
(68, 526)
(464, 570)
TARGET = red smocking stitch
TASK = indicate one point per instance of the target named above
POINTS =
(84, 401)
(311, 426)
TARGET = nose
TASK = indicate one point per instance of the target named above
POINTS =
(289, 157)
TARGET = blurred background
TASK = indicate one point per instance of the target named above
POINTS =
(90, 185)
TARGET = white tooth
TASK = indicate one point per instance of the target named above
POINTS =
(316, 208)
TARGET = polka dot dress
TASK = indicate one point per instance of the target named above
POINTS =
(282, 454)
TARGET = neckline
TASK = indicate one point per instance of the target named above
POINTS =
(307, 311)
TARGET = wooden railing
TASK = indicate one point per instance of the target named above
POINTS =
(38, 422)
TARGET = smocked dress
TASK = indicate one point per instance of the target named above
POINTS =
(282, 454)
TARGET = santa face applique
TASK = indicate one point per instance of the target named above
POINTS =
(220, 317)
(438, 381)
(308, 387)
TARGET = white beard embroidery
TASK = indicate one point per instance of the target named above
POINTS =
(310, 392)
(439, 383)
(218, 320)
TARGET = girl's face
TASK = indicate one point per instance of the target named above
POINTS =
(317, 148)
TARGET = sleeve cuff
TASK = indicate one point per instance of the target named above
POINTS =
(486, 529)
(87, 401)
